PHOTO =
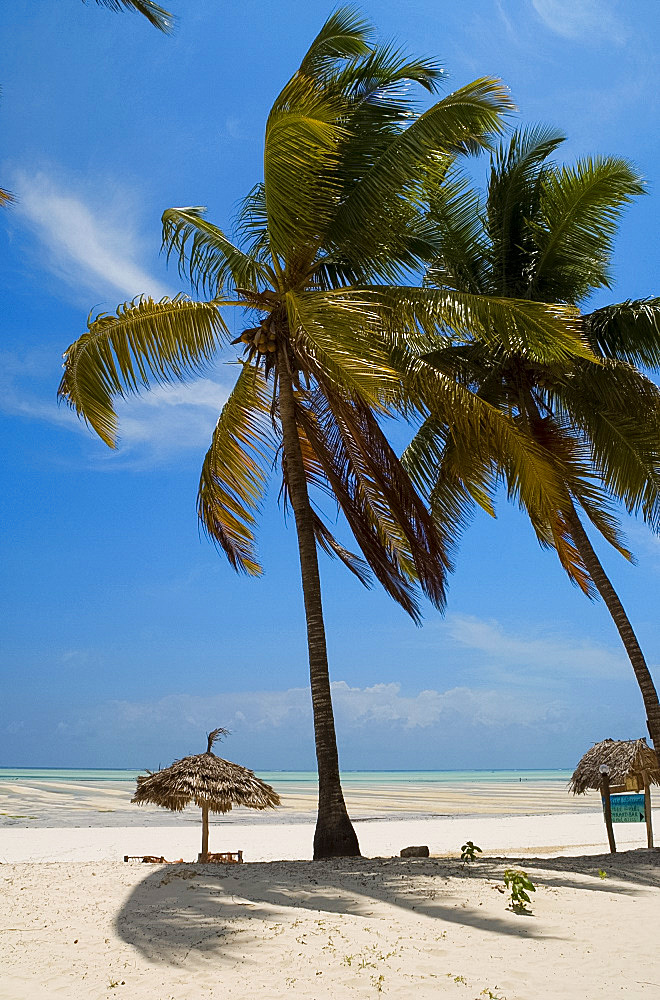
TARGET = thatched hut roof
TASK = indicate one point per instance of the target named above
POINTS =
(208, 781)
(625, 759)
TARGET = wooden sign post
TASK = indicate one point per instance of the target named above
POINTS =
(607, 807)
(647, 809)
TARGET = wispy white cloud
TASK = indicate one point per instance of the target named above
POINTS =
(168, 420)
(510, 655)
(153, 427)
(89, 240)
(581, 19)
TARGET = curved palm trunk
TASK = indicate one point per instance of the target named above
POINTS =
(620, 618)
(334, 836)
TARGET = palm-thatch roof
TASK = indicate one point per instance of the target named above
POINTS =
(207, 780)
(625, 759)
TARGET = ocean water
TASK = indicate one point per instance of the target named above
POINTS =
(102, 797)
(350, 779)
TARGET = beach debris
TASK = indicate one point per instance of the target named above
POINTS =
(414, 852)
(469, 852)
(519, 885)
(213, 784)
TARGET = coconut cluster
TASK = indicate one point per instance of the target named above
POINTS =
(261, 338)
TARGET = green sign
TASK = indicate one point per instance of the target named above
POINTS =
(628, 808)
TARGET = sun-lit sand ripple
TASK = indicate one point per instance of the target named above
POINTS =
(37, 803)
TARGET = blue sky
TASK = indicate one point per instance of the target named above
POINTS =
(126, 636)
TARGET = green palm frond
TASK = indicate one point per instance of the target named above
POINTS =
(465, 121)
(144, 342)
(6, 197)
(580, 209)
(336, 336)
(158, 16)
(618, 411)
(377, 84)
(344, 35)
(301, 155)
(472, 430)
(514, 195)
(252, 223)
(455, 212)
(235, 471)
(540, 331)
(207, 256)
(628, 331)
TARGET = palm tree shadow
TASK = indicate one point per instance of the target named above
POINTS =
(208, 909)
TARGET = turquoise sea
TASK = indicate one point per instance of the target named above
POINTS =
(90, 796)
(355, 779)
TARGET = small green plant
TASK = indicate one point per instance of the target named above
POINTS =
(601, 873)
(460, 979)
(490, 995)
(519, 885)
(378, 982)
(469, 852)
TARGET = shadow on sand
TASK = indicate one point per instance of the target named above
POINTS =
(184, 909)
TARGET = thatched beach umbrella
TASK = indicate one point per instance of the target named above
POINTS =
(627, 761)
(214, 784)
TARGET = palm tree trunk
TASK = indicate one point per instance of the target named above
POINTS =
(620, 618)
(334, 836)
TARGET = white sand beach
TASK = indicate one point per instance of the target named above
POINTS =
(77, 922)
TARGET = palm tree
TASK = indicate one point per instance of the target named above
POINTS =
(545, 233)
(158, 16)
(321, 245)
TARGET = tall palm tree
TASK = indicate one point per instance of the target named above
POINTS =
(544, 232)
(158, 16)
(321, 245)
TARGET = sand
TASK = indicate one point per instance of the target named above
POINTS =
(93, 803)
(77, 923)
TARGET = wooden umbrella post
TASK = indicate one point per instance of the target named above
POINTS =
(204, 856)
(607, 808)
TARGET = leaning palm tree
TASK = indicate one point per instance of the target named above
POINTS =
(321, 246)
(545, 232)
(158, 16)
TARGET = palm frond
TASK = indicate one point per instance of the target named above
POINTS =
(580, 208)
(145, 341)
(618, 411)
(333, 548)
(335, 334)
(627, 331)
(455, 210)
(301, 154)
(379, 538)
(390, 492)
(344, 35)
(514, 193)
(537, 330)
(206, 256)
(463, 122)
(235, 471)
(252, 223)
(158, 16)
